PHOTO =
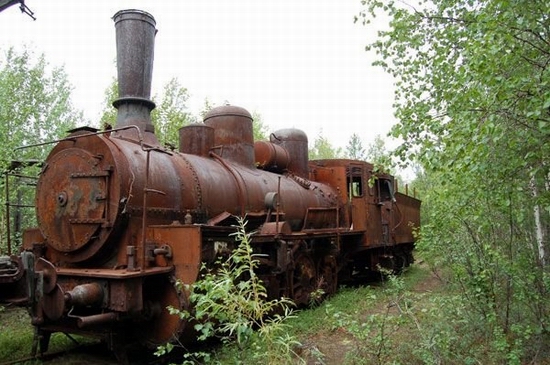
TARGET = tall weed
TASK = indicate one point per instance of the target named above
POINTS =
(230, 303)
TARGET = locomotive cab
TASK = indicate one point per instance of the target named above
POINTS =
(352, 181)
(380, 219)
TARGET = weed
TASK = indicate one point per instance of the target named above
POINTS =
(230, 303)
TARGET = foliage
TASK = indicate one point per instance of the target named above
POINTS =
(396, 323)
(35, 104)
(108, 116)
(472, 100)
(354, 148)
(206, 107)
(230, 303)
(259, 129)
(171, 112)
(35, 107)
(168, 117)
(323, 149)
(374, 333)
(379, 156)
(376, 153)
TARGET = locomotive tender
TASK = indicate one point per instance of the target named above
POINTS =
(121, 218)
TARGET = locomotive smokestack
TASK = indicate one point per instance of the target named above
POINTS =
(135, 39)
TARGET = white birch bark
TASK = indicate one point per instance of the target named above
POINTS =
(539, 229)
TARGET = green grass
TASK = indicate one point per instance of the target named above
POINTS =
(352, 301)
(17, 334)
(346, 327)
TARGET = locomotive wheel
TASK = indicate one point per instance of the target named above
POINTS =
(160, 326)
(402, 260)
(328, 276)
(304, 279)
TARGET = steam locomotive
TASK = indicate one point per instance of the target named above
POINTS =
(121, 218)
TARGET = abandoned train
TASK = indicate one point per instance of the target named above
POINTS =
(121, 218)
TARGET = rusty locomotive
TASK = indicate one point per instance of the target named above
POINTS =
(121, 218)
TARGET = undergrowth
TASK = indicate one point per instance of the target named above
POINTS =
(414, 318)
(230, 303)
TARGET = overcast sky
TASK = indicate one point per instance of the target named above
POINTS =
(299, 64)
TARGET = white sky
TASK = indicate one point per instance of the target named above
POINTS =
(298, 63)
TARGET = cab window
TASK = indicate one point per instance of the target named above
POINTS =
(385, 190)
(355, 182)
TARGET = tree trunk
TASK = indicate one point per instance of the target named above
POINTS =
(539, 229)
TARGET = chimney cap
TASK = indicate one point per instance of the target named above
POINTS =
(134, 14)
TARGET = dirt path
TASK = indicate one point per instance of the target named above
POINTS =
(331, 348)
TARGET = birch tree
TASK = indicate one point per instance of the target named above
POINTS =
(472, 101)
(323, 149)
(35, 107)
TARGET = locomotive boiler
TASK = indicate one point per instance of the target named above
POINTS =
(122, 218)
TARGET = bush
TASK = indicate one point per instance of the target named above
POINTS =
(230, 303)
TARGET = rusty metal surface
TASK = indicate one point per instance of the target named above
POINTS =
(78, 210)
(406, 216)
(135, 40)
(97, 319)
(196, 139)
(295, 142)
(275, 228)
(327, 270)
(108, 273)
(11, 269)
(270, 156)
(53, 304)
(233, 135)
(126, 295)
(31, 238)
(89, 294)
(77, 206)
(160, 326)
(225, 187)
(303, 279)
(49, 274)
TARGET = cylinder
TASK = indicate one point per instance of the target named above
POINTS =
(271, 157)
(196, 139)
(135, 40)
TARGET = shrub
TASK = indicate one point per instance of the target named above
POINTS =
(230, 303)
